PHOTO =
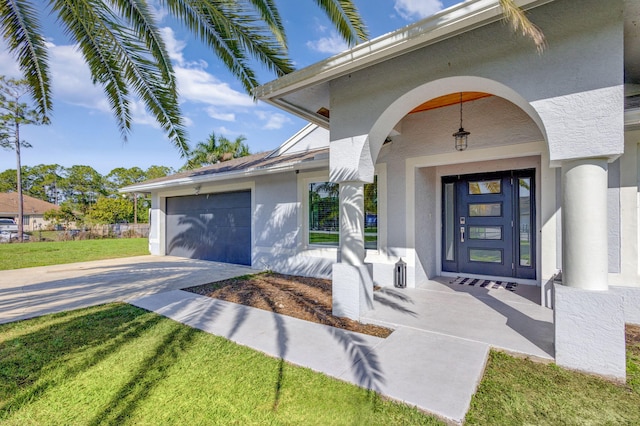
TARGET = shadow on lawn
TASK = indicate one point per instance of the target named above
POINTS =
(312, 298)
(150, 374)
(29, 360)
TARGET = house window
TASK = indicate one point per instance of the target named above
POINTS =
(25, 220)
(324, 214)
(371, 215)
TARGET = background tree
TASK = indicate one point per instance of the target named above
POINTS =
(155, 172)
(8, 181)
(13, 114)
(62, 216)
(82, 186)
(121, 42)
(121, 176)
(44, 180)
(111, 210)
(216, 149)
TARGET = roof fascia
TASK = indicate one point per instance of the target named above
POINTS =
(293, 140)
(632, 119)
(446, 24)
(218, 177)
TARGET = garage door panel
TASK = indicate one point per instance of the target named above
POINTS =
(210, 227)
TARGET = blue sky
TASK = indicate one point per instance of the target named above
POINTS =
(83, 130)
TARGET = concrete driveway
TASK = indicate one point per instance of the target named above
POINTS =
(30, 292)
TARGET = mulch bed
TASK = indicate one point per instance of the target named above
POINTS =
(305, 298)
(633, 335)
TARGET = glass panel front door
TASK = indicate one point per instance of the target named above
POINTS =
(488, 223)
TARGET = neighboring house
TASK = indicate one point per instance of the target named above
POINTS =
(548, 183)
(32, 210)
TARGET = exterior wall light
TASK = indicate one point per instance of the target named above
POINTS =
(461, 135)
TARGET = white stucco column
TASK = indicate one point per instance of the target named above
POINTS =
(588, 318)
(352, 249)
(584, 224)
(352, 283)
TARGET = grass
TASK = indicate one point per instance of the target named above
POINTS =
(15, 256)
(117, 364)
(518, 392)
(334, 239)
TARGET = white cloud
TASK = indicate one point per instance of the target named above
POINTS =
(417, 9)
(72, 83)
(174, 47)
(224, 116)
(197, 85)
(8, 65)
(71, 79)
(188, 122)
(140, 115)
(332, 44)
(274, 121)
(159, 12)
(223, 131)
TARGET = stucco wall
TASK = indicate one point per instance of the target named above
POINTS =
(275, 212)
(613, 216)
(426, 226)
(280, 220)
(573, 89)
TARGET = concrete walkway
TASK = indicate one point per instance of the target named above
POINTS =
(434, 359)
(432, 371)
(31, 292)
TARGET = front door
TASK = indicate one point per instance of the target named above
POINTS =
(488, 224)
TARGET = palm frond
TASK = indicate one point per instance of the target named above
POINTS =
(344, 15)
(118, 59)
(233, 31)
(519, 22)
(21, 29)
(270, 15)
(84, 21)
(140, 18)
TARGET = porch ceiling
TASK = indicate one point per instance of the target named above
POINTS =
(450, 99)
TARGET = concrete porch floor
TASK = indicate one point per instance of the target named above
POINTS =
(505, 320)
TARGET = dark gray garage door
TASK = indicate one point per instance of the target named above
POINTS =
(210, 227)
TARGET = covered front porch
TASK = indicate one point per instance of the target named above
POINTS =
(566, 124)
(503, 316)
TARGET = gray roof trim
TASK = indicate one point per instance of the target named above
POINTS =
(261, 165)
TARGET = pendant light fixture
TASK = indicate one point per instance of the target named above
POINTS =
(461, 135)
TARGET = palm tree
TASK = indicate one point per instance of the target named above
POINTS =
(122, 44)
(215, 150)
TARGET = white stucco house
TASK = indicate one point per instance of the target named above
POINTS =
(548, 182)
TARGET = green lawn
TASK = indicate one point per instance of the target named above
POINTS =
(15, 256)
(116, 364)
(520, 392)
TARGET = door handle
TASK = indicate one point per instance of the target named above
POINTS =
(462, 234)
